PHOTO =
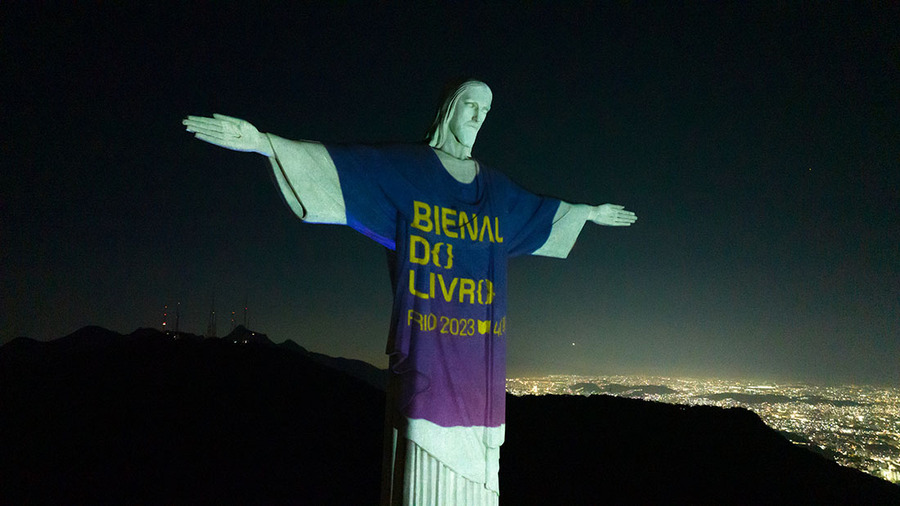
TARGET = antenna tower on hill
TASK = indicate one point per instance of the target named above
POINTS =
(177, 317)
(211, 326)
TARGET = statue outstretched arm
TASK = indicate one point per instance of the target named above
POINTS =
(569, 220)
(303, 170)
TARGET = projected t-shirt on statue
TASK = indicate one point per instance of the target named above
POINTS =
(451, 242)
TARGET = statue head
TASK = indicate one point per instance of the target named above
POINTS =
(459, 117)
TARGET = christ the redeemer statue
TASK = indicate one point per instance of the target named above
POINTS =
(451, 223)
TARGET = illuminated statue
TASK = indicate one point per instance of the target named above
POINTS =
(451, 224)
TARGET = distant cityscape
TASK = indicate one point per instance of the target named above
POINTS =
(857, 426)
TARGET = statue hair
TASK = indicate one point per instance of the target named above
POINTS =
(440, 128)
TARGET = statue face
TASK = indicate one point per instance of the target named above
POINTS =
(468, 114)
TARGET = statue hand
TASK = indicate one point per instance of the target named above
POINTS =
(228, 132)
(612, 215)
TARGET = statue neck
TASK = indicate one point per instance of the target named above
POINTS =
(452, 147)
(463, 171)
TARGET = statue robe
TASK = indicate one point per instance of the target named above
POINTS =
(447, 342)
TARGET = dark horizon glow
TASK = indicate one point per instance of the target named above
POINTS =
(757, 143)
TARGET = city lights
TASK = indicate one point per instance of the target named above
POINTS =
(857, 426)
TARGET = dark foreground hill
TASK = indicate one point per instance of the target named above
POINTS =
(98, 417)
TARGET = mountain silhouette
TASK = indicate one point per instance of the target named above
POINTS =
(99, 417)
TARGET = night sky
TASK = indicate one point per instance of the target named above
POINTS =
(759, 146)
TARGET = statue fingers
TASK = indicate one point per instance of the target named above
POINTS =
(626, 218)
(202, 124)
(199, 119)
